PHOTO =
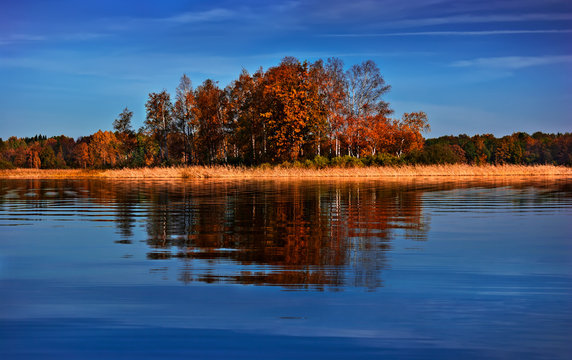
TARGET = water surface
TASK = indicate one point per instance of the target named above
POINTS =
(282, 269)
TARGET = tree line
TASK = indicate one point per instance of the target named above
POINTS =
(518, 148)
(296, 113)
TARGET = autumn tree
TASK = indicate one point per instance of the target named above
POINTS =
(48, 158)
(407, 132)
(284, 97)
(378, 135)
(334, 86)
(81, 155)
(159, 120)
(103, 149)
(318, 105)
(146, 150)
(33, 156)
(125, 135)
(185, 119)
(482, 153)
(508, 150)
(243, 111)
(123, 123)
(365, 88)
(15, 151)
(64, 148)
(293, 110)
(209, 111)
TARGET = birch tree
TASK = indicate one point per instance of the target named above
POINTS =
(160, 120)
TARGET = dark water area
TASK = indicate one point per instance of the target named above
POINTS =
(93, 269)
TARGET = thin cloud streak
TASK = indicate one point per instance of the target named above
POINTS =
(463, 19)
(513, 62)
(190, 17)
(19, 38)
(200, 16)
(454, 33)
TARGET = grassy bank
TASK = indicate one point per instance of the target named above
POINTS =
(229, 172)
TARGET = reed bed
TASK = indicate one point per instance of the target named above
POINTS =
(234, 172)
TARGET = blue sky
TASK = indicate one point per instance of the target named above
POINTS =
(70, 67)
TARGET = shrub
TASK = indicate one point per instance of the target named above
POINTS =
(347, 161)
(321, 162)
(309, 163)
(6, 165)
(385, 159)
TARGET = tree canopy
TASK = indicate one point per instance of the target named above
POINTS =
(292, 112)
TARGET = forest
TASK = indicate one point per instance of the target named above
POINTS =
(293, 114)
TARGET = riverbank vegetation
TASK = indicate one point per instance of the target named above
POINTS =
(426, 172)
(297, 115)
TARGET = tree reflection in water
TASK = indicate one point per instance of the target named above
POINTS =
(296, 234)
(282, 233)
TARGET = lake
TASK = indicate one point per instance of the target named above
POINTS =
(281, 269)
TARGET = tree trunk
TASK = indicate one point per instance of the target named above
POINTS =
(264, 138)
(253, 147)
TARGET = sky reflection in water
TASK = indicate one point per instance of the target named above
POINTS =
(218, 269)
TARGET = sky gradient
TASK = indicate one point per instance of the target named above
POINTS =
(70, 67)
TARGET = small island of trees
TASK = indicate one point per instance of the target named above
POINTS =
(296, 113)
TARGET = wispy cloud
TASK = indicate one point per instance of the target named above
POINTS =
(81, 36)
(121, 24)
(21, 38)
(454, 33)
(199, 16)
(15, 38)
(343, 10)
(304, 54)
(493, 18)
(513, 62)
(26, 37)
(125, 66)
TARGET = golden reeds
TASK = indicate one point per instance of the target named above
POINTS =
(234, 172)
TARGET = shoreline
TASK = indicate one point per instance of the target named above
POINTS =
(238, 173)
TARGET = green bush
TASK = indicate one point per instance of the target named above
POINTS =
(347, 161)
(309, 164)
(385, 159)
(321, 162)
(338, 161)
(296, 164)
(442, 154)
(6, 165)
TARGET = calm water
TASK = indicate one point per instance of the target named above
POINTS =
(275, 269)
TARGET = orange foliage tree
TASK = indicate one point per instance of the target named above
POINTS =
(103, 149)
(209, 110)
(294, 112)
(407, 132)
(81, 155)
(245, 98)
